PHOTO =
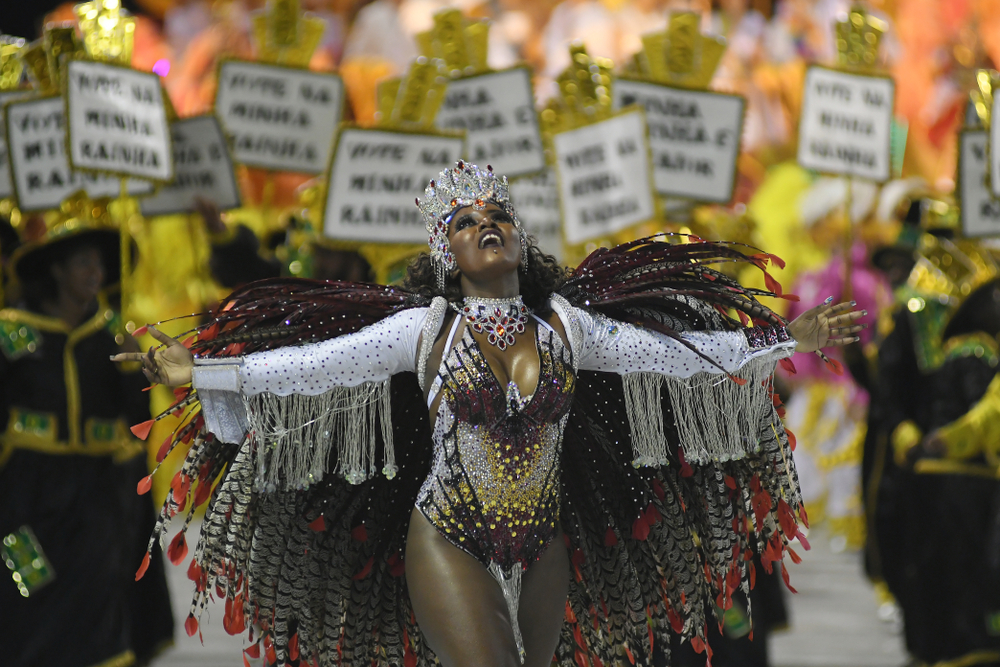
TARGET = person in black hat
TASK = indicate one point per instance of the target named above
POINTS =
(72, 528)
(933, 494)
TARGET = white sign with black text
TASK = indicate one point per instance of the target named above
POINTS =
(980, 211)
(117, 121)
(497, 110)
(694, 137)
(40, 171)
(845, 124)
(279, 118)
(203, 169)
(536, 201)
(375, 177)
(605, 179)
(6, 184)
(995, 150)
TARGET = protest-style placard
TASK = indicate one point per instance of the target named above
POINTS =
(980, 211)
(994, 152)
(497, 111)
(117, 122)
(971, 116)
(279, 118)
(6, 184)
(374, 178)
(203, 170)
(694, 136)
(40, 171)
(845, 124)
(605, 177)
(536, 201)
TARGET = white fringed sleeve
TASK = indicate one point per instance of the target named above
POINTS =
(299, 402)
(716, 418)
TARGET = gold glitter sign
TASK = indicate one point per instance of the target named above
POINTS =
(604, 178)
(461, 44)
(108, 30)
(45, 58)
(11, 65)
(413, 100)
(286, 36)
(858, 38)
(584, 93)
(11, 71)
(680, 55)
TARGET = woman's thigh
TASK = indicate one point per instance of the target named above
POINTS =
(461, 610)
(543, 603)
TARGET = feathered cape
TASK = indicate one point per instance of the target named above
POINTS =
(317, 575)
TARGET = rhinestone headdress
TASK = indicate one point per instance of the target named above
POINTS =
(456, 187)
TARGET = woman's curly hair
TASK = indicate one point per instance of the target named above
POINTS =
(542, 276)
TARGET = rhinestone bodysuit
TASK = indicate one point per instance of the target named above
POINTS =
(493, 490)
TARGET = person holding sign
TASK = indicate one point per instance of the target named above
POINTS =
(531, 472)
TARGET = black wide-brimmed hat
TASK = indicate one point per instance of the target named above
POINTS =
(82, 221)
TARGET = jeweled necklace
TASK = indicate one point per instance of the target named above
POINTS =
(499, 319)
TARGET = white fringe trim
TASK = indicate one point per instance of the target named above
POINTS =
(716, 418)
(295, 434)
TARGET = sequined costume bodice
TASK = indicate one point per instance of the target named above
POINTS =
(493, 490)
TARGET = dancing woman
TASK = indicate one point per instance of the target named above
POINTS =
(547, 496)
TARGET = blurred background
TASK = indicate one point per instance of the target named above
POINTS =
(896, 452)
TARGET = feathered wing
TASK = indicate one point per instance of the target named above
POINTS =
(318, 568)
(655, 549)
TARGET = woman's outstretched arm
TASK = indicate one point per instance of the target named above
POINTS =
(612, 346)
(372, 354)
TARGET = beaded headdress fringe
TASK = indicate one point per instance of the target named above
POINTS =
(716, 419)
(295, 435)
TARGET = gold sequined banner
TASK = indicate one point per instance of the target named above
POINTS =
(11, 65)
(108, 30)
(460, 43)
(414, 100)
(858, 38)
(680, 55)
(285, 35)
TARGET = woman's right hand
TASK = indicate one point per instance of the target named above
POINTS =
(170, 365)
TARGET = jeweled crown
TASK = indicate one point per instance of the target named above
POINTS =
(463, 185)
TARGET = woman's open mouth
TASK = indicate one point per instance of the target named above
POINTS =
(491, 238)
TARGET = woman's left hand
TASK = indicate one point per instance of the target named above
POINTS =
(826, 325)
